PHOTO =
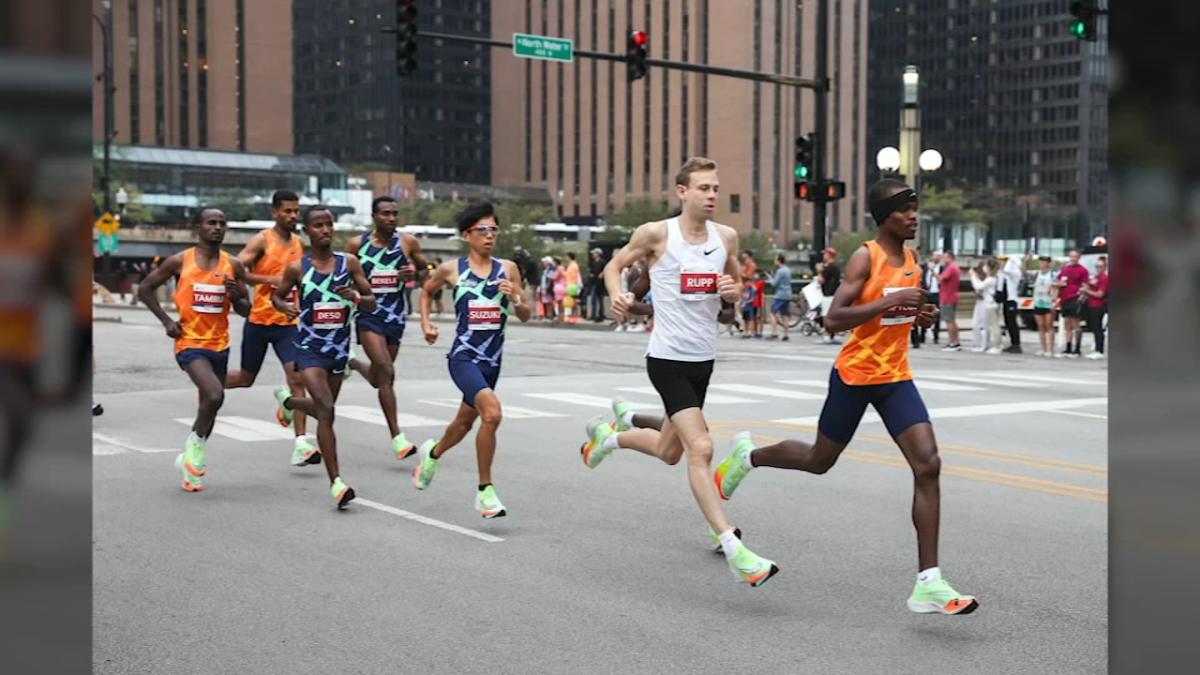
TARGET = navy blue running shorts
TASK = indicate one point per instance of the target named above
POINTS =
(256, 337)
(392, 332)
(899, 405)
(472, 378)
(331, 364)
(219, 360)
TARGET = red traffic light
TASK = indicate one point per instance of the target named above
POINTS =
(801, 191)
(639, 38)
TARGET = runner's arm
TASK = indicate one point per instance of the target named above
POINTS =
(240, 294)
(412, 250)
(353, 244)
(437, 278)
(842, 316)
(515, 291)
(147, 289)
(731, 288)
(250, 255)
(366, 297)
(279, 299)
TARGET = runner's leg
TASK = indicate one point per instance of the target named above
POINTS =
(381, 374)
(920, 449)
(319, 404)
(490, 415)
(212, 395)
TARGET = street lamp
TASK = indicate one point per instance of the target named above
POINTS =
(106, 43)
(930, 160)
(122, 199)
(887, 160)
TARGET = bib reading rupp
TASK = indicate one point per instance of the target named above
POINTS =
(877, 352)
(203, 304)
(277, 255)
(382, 268)
(324, 321)
(684, 285)
(482, 312)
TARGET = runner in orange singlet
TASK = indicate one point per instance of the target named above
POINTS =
(266, 256)
(880, 298)
(210, 282)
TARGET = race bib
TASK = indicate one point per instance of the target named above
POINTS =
(329, 315)
(385, 281)
(898, 315)
(483, 315)
(208, 298)
(697, 284)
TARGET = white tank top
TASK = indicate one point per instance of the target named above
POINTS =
(683, 285)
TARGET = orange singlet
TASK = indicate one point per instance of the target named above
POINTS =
(25, 248)
(275, 259)
(203, 304)
(877, 352)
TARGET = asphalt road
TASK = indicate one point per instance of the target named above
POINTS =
(600, 571)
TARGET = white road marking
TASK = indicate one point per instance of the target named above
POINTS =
(921, 384)
(509, 411)
(1079, 414)
(375, 416)
(710, 398)
(1053, 379)
(981, 380)
(773, 392)
(585, 400)
(482, 536)
(245, 429)
(976, 410)
(103, 444)
(827, 360)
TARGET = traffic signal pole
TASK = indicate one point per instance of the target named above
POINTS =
(820, 92)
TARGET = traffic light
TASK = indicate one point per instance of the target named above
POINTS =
(1083, 26)
(804, 158)
(635, 54)
(406, 37)
(802, 191)
(833, 190)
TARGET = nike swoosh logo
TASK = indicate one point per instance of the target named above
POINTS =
(909, 274)
(710, 251)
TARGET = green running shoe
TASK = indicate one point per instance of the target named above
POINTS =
(304, 452)
(341, 493)
(716, 540)
(402, 446)
(192, 464)
(282, 414)
(426, 465)
(939, 597)
(489, 504)
(593, 451)
(620, 406)
(750, 568)
(350, 356)
(730, 472)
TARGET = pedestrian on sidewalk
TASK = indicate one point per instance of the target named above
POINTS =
(546, 289)
(929, 282)
(1008, 284)
(830, 276)
(781, 305)
(948, 283)
(574, 294)
(1043, 305)
(1071, 278)
(985, 322)
(1096, 290)
(438, 307)
(596, 293)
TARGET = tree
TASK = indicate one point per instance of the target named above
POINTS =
(621, 223)
(758, 244)
(847, 243)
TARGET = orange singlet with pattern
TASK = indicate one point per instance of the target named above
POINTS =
(877, 352)
(203, 304)
(275, 259)
(25, 248)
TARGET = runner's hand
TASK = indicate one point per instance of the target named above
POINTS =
(927, 316)
(909, 297)
(347, 293)
(507, 287)
(620, 305)
(406, 272)
(291, 311)
(232, 289)
(174, 330)
(727, 288)
(431, 332)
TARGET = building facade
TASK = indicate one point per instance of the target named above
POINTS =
(594, 140)
(213, 74)
(352, 107)
(1016, 105)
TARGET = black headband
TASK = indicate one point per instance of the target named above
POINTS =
(884, 208)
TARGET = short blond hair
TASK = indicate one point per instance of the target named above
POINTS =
(684, 176)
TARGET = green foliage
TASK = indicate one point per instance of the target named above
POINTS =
(636, 212)
(948, 206)
(847, 243)
(762, 248)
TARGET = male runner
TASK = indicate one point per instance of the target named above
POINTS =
(485, 288)
(327, 281)
(210, 282)
(265, 257)
(692, 264)
(389, 259)
(879, 297)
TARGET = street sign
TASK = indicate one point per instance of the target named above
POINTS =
(107, 223)
(108, 243)
(542, 47)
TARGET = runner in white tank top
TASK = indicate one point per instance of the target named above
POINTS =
(692, 268)
(684, 285)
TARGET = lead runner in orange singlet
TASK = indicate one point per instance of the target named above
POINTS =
(879, 298)
(210, 283)
(265, 257)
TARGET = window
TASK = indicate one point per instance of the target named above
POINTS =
(735, 203)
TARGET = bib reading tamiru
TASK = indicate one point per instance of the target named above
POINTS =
(329, 315)
(484, 315)
(208, 298)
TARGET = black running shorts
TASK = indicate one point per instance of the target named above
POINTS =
(681, 384)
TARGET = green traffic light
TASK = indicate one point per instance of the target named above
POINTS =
(801, 172)
(1078, 28)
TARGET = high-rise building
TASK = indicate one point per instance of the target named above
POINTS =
(594, 140)
(352, 107)
(1015, 103)
(213, 74)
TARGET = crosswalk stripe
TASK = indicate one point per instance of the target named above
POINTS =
(245, 429)
(976, 410)
(921, 384)
(989, 382)
(710, 398)
(509, 411)
(103, 444)
(584, 399)
(827, 360)
(773, 392)
(1053, 379)
(369, 415)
